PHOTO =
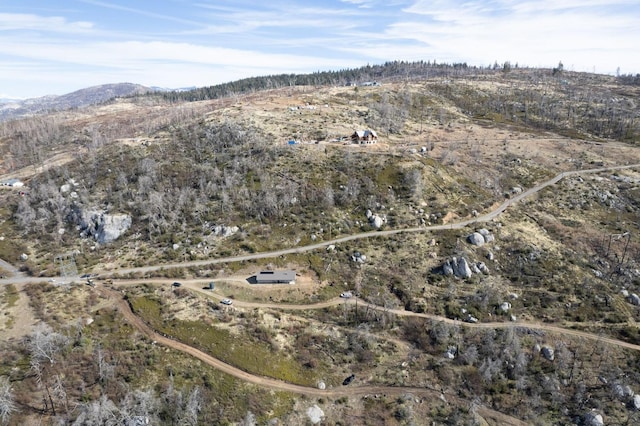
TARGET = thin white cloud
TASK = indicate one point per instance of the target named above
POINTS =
(23, 21)
(218, 40)
(141, 12)
(584, 33)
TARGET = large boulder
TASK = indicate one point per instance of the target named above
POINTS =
(548, 352)
(104, 228)
(461, 268)
(593, 419)
(481, 237)
(488, 236)
(476, 239)
(315, 414)
(376, 221)
(636, 402)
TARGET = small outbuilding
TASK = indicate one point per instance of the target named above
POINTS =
(276, 277)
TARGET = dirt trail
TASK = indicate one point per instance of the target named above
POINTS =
(400, 312)
(492, 416)
(454, 225)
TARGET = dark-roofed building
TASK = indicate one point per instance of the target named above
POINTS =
(276, 277)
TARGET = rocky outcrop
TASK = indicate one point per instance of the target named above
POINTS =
(104, 228)
(223, 230)
(358, 257)
(458, 267)
(375, 220)
(462, 268)
(481, 237)
(315, 414)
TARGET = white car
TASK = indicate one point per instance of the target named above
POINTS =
(226, 301)
(346, 295)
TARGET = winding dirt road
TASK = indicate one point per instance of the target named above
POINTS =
(455, 225)
(492, 416)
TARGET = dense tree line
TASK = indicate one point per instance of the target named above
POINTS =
(388, 70)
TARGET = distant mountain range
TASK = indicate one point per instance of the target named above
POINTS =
(15, 108)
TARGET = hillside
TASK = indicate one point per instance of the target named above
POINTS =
(78, 99)
(489, 240)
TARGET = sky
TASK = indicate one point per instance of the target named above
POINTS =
(59, 46)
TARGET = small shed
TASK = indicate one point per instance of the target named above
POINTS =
(276, 277)
(364, 136)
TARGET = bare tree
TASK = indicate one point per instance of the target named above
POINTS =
(192, 408)
(7, 404)
(44, 344)
(106, 371)
(102, 412)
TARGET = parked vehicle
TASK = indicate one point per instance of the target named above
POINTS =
(349, 379)
(176, 284)
(346, 295)
(226, 301)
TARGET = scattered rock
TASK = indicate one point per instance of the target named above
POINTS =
(223, 230)
(482, 267)
(490, 256)
(636, 402)
(358, 257)
(322, 385)
(24, 257)
(634, 299)
(432, 242)
(176, 246)
(331, 247)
